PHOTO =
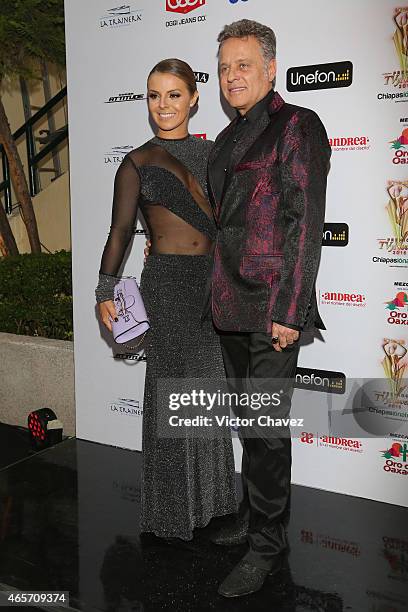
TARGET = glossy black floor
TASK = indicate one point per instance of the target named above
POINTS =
(69, 521)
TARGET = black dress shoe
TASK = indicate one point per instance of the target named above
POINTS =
(231, 534)
(244, 579)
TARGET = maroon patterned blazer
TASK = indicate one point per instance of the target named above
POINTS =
(270, 222)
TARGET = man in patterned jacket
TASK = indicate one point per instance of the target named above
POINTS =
(267, 183)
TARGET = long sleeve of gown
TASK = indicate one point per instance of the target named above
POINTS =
(124, 211)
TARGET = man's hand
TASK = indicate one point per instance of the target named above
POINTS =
(285, 335)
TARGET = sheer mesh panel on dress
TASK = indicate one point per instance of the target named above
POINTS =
(172, 201)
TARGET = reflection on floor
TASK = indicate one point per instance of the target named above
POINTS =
(69, 521)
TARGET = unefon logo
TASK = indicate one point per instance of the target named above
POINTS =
(335, 234)
(183, 6)
(319, 76)
(320, 380)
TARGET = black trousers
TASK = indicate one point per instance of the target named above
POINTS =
(253, 366)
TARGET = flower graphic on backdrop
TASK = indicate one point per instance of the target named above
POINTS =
(397, 209)
(401, 36)
(395, 364)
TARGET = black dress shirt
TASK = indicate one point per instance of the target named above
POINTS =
(221, 168)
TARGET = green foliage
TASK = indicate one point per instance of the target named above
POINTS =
(36, 295)
(30, 30)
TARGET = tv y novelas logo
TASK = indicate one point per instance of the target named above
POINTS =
(335, 234)
(319, 76)
(120, 16)
(397, 80)
(342, 298)
(397, 211)
(320, 380)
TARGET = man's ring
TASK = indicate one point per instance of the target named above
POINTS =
(275, 339)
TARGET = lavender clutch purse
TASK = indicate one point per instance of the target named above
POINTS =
(132, 320)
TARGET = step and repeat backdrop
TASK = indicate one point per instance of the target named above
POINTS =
(349, 63)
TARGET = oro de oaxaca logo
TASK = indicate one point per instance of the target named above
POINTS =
(183, 6)
(397, 452)
(397, 309)
(399, 147)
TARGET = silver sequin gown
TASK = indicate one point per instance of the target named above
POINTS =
(186, 481)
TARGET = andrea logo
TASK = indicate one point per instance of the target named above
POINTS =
(201, 77)
(120, 16)
(320, 380)
(341, 298)
(350, 143)
(183, 6)
(125, 97)
(335, 234)
(319, 76)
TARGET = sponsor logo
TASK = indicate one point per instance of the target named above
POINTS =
(120, 16)
(329, 543)
(129, 407)
(345, 444)
(397, 308)
(335, 234)
(183, 6)
(397, 79)
(397, 211)
(399, 148)
(395, 551)
(395, 365)
(236, 1)
(396, 459)
(203, 136)
(340, 298)
(130, 356)
(319, 76)
(126, 97)
(201, 77)
(320, 380)
(350, 143)
(116, 154)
